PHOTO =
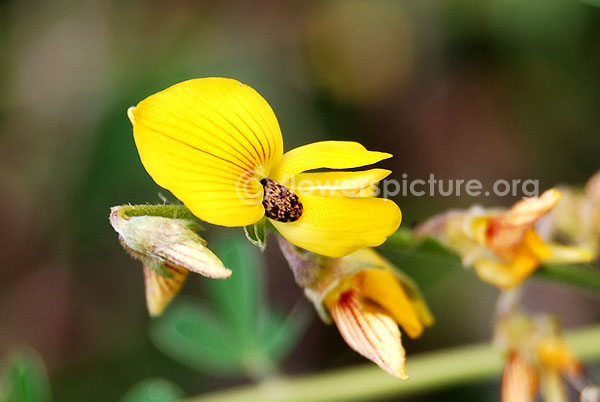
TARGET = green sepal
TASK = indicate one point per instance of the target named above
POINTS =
(165, 211)
(159, 268)
(257, 234)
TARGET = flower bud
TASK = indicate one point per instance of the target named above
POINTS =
(168, 248)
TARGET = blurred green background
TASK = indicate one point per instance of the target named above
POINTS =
(495, 89)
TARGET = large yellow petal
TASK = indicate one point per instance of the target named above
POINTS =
(339, 184)
(336, 227)
(325, 154)
(207, 140)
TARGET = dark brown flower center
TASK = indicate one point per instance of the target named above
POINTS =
(281, 204)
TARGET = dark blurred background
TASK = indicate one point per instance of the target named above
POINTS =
(496, 89)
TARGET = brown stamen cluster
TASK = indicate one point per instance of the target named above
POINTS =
(281, 204)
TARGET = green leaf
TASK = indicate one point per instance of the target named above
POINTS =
(240, 335)
(592, 2)
(153, 390)
(25, 379)
(582, 275)
(425, 260)
(193, 336)
(257, 234)
(239, 300)
(281, 333)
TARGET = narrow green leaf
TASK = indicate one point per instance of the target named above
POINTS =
(153, 390)
(238, 300)
(281, 333)
(581, 275)
(191, 335)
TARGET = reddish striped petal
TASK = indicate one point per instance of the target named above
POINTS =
(160, 290)
(519, 380)
(506, 231)
(372, 334)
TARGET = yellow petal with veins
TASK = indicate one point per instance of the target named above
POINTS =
(338, 184)
(369, 332)
(324, 154)
(336, 227)
(193, 256)
(506, 231)
(207, 141)
(409, 289)
(519, 380)
(160, 290)
(382, 287)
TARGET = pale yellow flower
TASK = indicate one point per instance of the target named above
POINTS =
(576, 218)
(503, 246)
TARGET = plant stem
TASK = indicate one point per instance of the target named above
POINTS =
(579, 275)
(428, 372)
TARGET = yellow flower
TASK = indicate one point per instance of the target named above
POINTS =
(537, 357)
(216, 145)
(576, 218)
(368, 306)
(367, 298)
(503, 246)
(168, 248)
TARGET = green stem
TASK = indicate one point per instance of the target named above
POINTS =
(166, 211)
(428, 372)
(578, 275)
